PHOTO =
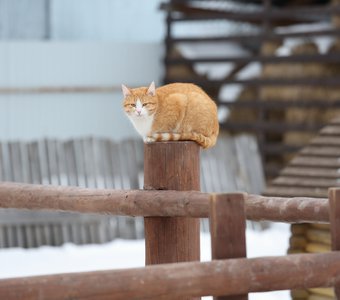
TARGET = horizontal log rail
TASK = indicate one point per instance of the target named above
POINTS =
(218, 277)
(155, 203)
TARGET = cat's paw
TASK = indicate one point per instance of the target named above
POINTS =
(149, 139)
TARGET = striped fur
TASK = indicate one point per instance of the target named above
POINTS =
(204, 141)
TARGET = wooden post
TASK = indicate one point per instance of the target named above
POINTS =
(227, 228)
(334, 217)
(171, 166)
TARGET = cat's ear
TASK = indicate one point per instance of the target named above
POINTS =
(126, 91)
(152, 89)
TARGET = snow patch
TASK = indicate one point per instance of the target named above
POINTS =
(128, 254)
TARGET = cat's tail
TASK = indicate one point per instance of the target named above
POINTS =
(204, 141)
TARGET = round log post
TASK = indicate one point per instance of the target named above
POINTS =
(171, 166)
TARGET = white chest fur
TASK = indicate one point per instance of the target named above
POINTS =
(142, 124)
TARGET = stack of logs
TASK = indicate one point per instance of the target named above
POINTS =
(310, 115)
(310, 174)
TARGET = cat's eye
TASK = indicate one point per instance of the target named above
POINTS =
(145, 104)
(133, 105)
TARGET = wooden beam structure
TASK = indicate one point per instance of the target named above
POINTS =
(219, 277)
(156, 203)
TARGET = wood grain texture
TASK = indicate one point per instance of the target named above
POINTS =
(334, 213)
(227, 229)
(171, 166)
(156, 203)
(219, 277)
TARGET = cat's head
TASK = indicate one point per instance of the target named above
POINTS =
(140, 102)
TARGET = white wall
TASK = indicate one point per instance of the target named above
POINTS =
(38, 64)
(118, 20)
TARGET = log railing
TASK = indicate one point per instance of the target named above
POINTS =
(156, 203)
(170, 281)
(172, 215)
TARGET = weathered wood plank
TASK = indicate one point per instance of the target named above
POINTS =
(70, 159)
(314, 161)
(89, 166)
(115, 165)
(60, 163)
(80, 162)
(57, 235)
(130, 163)
(43, 162)
(319, 236)
(30, 241)
(23, 19)
(219, 277)
(321, 151)
(15, 161)
(215, 176)
(333, 130)
(296, 192)
(296, 182)
(46, 162)
(335, 121)
(3, 242)
(311, 172)
(25, 163)
(49, 163)
(7, 170)
(334, 215)
(106, 164)
(52, 158)
(20, 236)
(2, 167)
(35, 171)
(227, 228)
(250, 166)
(326, 141)
(227, 224)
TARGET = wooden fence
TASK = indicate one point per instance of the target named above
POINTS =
(172, 236)
(105, 163)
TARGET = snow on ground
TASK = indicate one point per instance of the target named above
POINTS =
(127, 254)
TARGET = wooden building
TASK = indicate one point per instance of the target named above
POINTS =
(272, 66)
(309, 174)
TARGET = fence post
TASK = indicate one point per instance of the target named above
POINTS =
(334, 217)
(227, 229)
(171, 166)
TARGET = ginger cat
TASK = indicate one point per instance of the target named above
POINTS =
(173, 112)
